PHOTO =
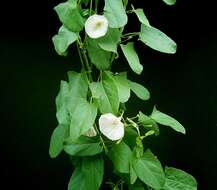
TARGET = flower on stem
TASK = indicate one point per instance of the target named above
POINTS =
(111, 126)
(96, 26)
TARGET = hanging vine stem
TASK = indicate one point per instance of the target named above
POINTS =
(83, 58)
(96, 5)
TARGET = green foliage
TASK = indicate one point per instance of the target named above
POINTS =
(167, 120)
(61, 104)
(170, 2)
(98, 56)
(115, 13)
(141, 16)
(179, 180)
(93, 169)
(95, 92)
(109, 42)
(83, 146)
(106, 94)
(148, 123)
(63, 40)
(78, 85)
(140, 91)
(149, 170)
(88, 174)
(123, 87)
(156, 39)
(82, 115)
(132, 57)
(120, 155)
(57, 140)
(70, 16)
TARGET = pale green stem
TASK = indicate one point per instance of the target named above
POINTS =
(134, 125)
(96, 6)
(91, 6)
(130, 34)
(80, 56)
(101, 139)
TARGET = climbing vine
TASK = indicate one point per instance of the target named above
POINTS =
(94, 128)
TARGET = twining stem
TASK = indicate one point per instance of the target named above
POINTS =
(91, 7)
(96, 6)
(87, 65)
(101, 139)
(84, 59)
(80, 56)
(134, 125)
(130, 34)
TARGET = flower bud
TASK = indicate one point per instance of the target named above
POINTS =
(90, 132)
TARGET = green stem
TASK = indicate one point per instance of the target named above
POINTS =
(96, 6)
(134, 125)
(87, 65)
(80, 56)
(91, 6)
(130, 34)
(101, 139)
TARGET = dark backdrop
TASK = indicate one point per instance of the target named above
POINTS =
(183, 85)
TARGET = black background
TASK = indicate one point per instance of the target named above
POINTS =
(183, 85)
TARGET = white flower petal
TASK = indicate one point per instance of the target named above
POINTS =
(111, 126)
(96, 26)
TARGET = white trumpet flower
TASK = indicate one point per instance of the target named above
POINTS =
(111, 126)
(96, 26)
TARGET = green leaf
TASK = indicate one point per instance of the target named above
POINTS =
(141, 16)
(106, 94)
(115, 13)
(170, 2)
(167, 120)
(125, 2)
(63, 40)
(76, 88)
(140, 91)
(69, 15)
(148, 123)
(93, 170)
(132, 57)
(133, 176)
(82, 115)
(120, 155)
(123, 87)
(77, 180)
(84, 146)
(149, 170)
(78, 85)
(130, 136)
(88, 174)
(111, 90)
(157, 40)
(99, 57)
(110, 41)
(57, 139)
(179, 180)
(61, 104)
(97, 90)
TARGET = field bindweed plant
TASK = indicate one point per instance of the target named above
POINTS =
(94, 129)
